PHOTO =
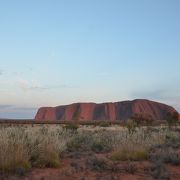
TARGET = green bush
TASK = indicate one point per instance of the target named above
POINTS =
(104, 124)
(80, 142)
(102, 142)
(71, 126)
(99, 147)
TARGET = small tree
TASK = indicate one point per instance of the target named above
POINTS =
(74, 124)
(143, 119)
(131, 126)
(172, 119)
(76, 117)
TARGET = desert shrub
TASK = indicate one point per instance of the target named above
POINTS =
(173, 158)
(43, 130)
(100, 147)
(96, 163)
(46, 148)
(71, 126)
(104, 124)
(80, 142)
(125, 154)
(130, 168)
(20, 171)
(131, 126)
(45, 156)
(143, 119)
(102, 142)
(172, 119)
(168, 152)
(97, 147)
(159, 171)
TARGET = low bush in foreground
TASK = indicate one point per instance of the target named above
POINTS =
(98, 142)
(80, 142)
(45, 156)
(159, 171)
(168, 152)
(96, 163)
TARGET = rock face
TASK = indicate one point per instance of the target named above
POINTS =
(106, 111)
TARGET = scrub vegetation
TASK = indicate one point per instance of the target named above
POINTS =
(26, 147)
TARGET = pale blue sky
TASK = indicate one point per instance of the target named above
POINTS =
(55, 52)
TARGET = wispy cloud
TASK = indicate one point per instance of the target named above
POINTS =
(35, 85)
(24, 108)
(29, 85)
(4, 106)
(12, 111)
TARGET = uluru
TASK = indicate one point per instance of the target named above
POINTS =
(105, 111)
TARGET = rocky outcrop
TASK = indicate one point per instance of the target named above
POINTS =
(105, 111)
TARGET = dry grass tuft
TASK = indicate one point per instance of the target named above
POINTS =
(130, 154)
(13, 152)
(23, 148)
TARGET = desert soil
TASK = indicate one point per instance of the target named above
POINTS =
(74, 167)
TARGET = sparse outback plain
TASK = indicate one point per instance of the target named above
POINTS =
(89, 89)
(103, 151)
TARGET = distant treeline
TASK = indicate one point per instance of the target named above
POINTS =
(96, 123)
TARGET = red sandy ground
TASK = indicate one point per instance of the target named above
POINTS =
(69, 173)
(73, 167)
